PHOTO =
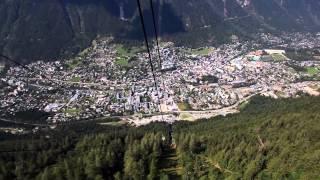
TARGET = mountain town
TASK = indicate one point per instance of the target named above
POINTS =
(112, 80)
(159, 89)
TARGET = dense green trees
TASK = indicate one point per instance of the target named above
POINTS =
(269, 139)
(102, 153)
(302, 54)
(107, 156)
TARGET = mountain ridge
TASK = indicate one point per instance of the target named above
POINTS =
(53, 28)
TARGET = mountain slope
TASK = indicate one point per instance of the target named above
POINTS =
(51, 28)
(269, 139)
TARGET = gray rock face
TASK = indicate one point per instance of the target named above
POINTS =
(43, 29)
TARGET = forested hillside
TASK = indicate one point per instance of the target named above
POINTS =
(269, 139)
(84, 151)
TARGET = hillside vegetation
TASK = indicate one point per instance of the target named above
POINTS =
(269, 139)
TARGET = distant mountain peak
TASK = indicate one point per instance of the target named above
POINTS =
(50, 28)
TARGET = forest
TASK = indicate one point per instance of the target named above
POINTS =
(268, 139)
(303, 54)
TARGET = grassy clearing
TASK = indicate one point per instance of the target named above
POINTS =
(72, 111)
(121, 51)
(124, 54)
(243, 105)
(127, 52)
(201, 51)
(84, 52)
(184, 106)
(312, 70)
(186, 117)
(279, 57)
(123, 62)
(75, 79)
(73, 63)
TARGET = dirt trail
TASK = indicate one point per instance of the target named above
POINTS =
(168, 163)
(262, 146)
(217, 166)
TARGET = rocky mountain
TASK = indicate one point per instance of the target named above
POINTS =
(41, 29)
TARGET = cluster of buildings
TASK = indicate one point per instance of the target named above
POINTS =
(267, 55)
(288, 40)
(94, 85)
